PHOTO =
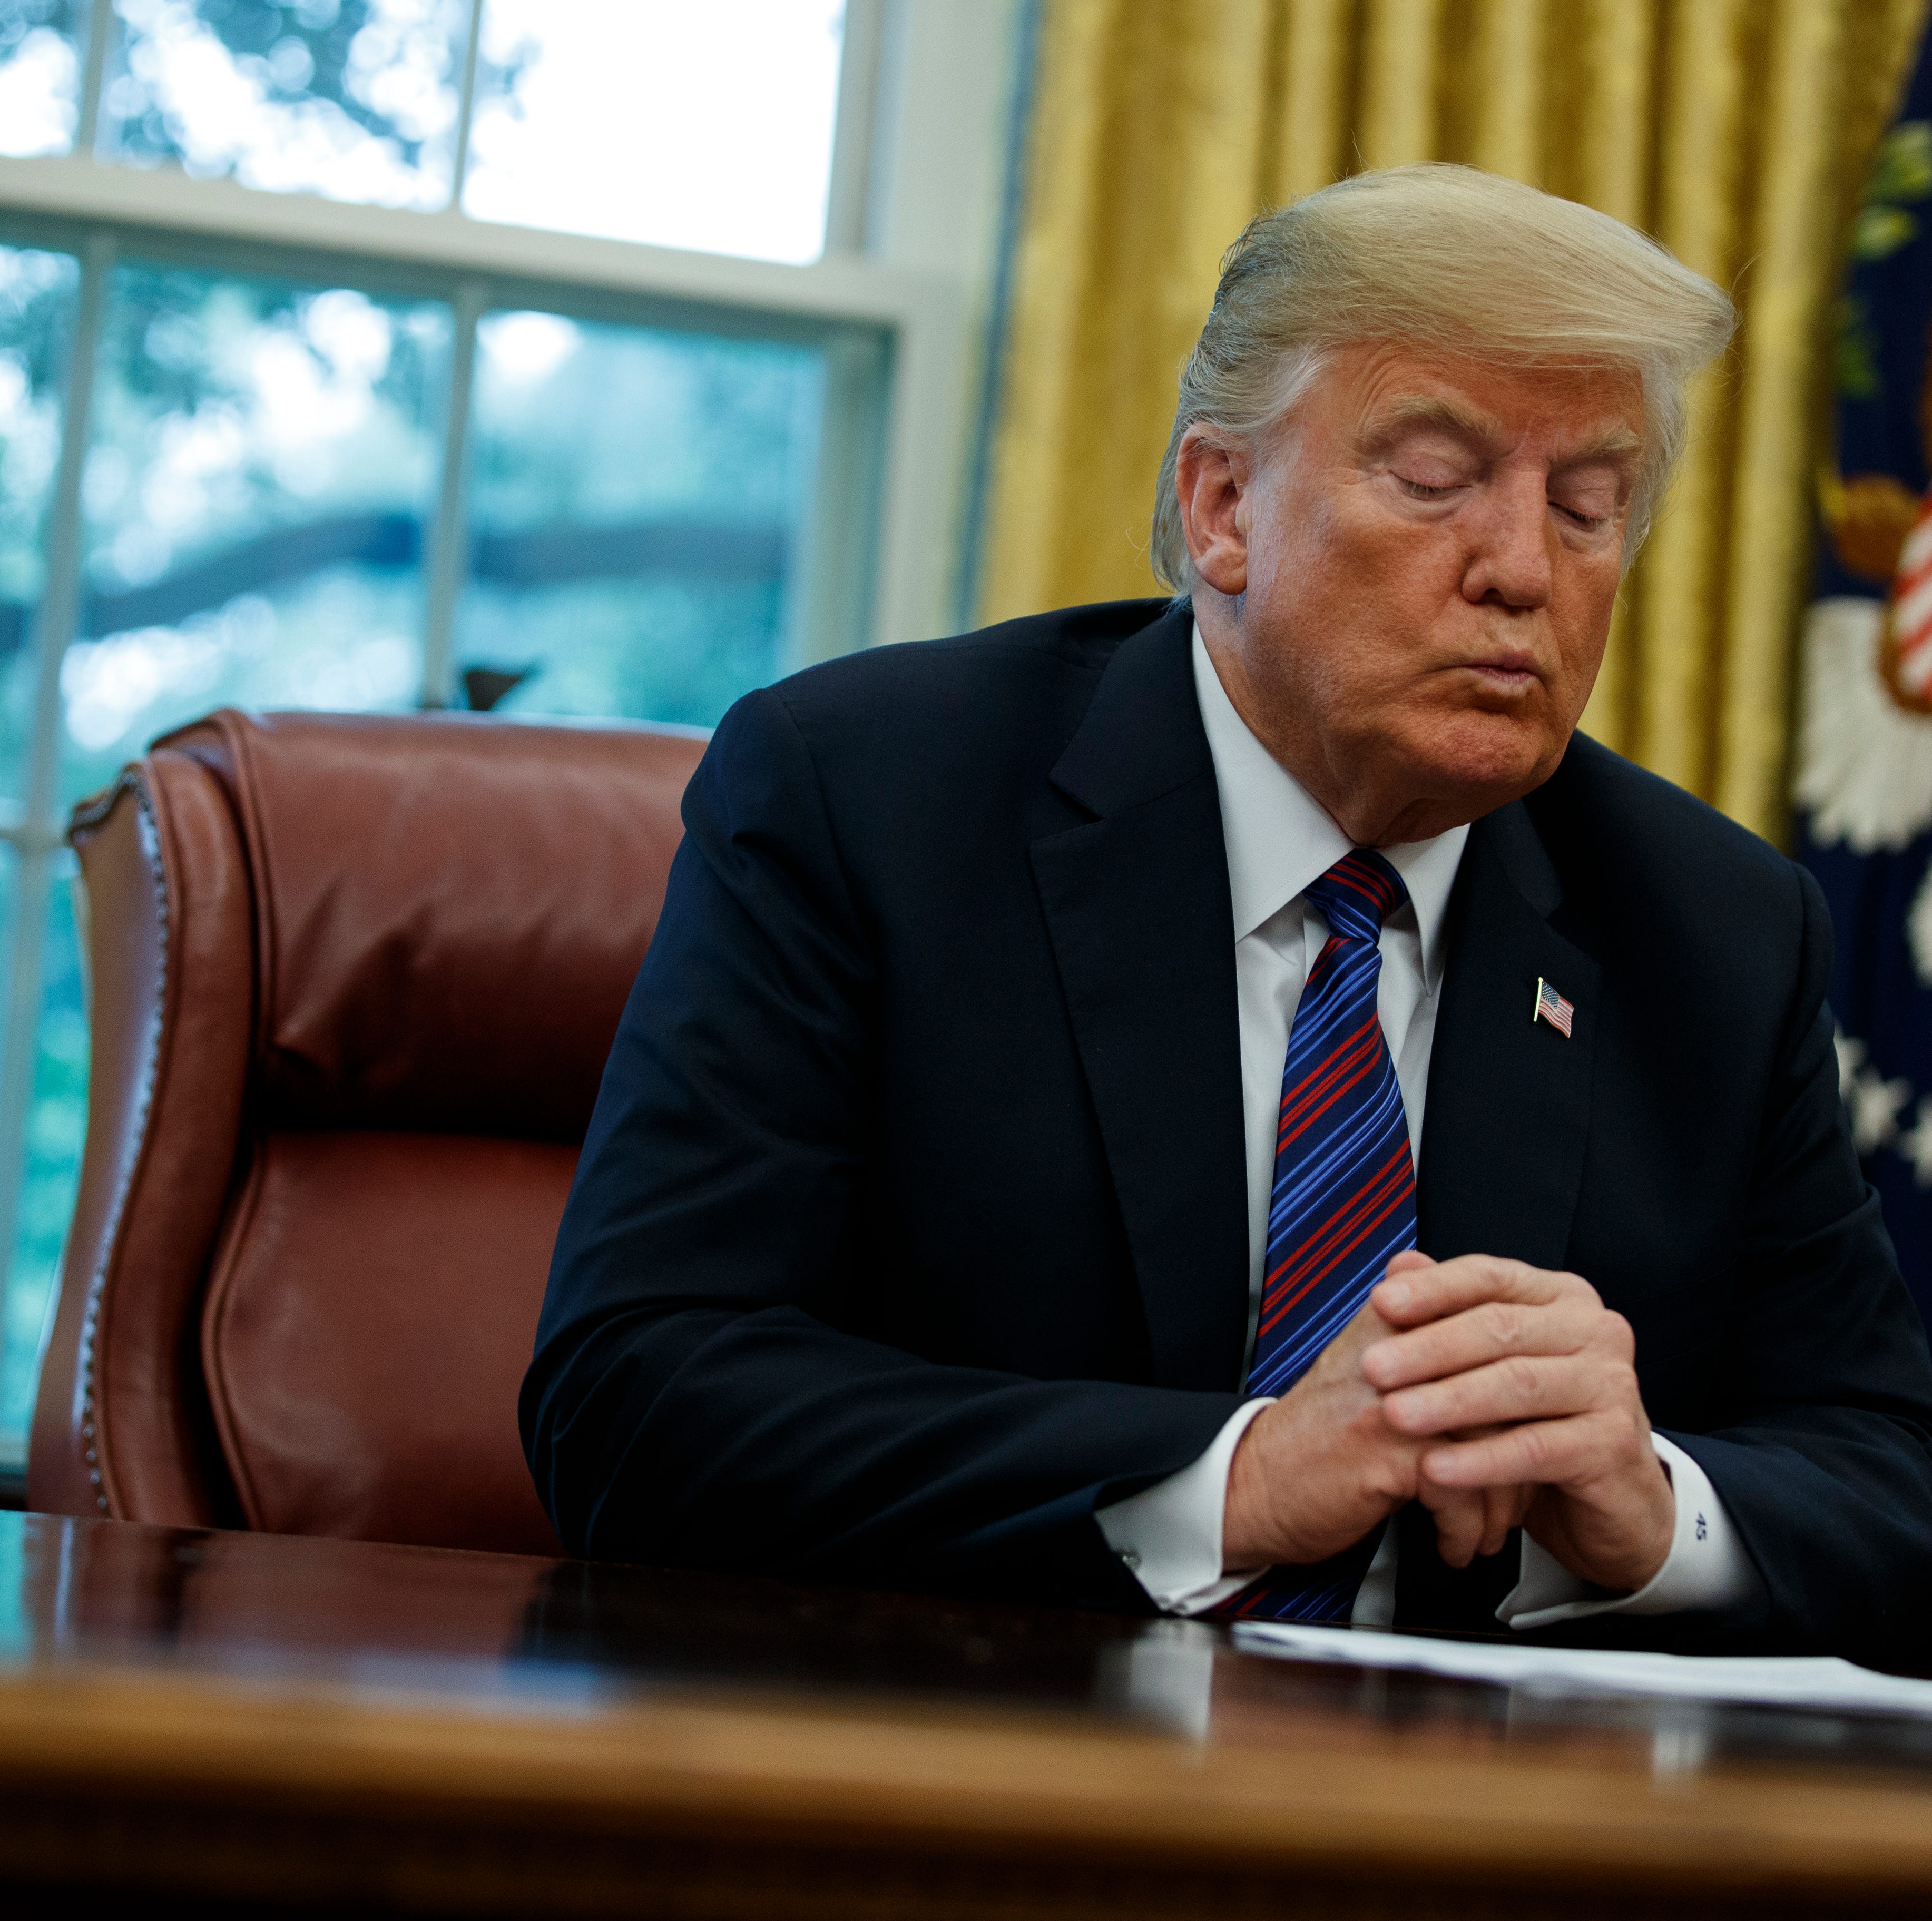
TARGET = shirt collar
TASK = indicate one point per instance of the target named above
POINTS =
(1279, 837)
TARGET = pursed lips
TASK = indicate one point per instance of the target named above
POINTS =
(1513, 670)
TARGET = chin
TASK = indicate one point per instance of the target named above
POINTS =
(1497, 758)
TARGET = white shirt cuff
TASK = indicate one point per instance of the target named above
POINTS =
(1169, 1535)
(1708, 1565)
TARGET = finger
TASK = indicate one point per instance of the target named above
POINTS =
(1469, 1522)
(1461, 1524)
(1495, 1520)
(1523, 1387)
(1568, 1453)
(1477, 1334)
(1503, 1509)
(1483, 1525)
(1461, 1516)
(1424, 1294)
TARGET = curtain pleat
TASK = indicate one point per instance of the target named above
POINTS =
(1396, 112)
(1675, 629)
(1318, 45)
(1738, 131)
(1770, 506)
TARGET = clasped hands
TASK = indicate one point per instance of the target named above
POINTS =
(1497, 1394)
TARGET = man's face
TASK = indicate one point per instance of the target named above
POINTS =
(1412, 585)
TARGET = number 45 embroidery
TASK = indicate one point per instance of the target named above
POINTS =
(1702, 1530)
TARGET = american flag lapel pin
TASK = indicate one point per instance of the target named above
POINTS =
(1552, 1007)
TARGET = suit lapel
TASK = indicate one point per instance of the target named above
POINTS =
(1508, 1117)
(1137, 906)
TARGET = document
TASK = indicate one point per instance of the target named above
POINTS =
(1773, 1680)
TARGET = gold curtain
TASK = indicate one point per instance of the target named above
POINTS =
(1738, 131)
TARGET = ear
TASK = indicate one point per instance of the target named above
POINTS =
(1212, 481)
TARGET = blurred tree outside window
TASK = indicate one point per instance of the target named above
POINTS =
(355, 99)
(36, 298)
(42, 45)
(261, 461)
(610, 580)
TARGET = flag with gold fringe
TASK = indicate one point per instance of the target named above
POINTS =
(1863, 776)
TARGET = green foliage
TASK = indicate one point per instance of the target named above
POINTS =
(1855, 352)
(1903, 168)
(37, 291)
(1901, 177)
(1880, 230)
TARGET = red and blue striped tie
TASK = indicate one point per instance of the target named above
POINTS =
(1344, 1196)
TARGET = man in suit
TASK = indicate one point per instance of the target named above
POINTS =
(1011, 1175)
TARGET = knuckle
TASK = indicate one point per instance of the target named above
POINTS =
(1491, 1273)
(1502, 1323)
(1613, 1435)
(1431, 1407)
(1615, 1381)
(1533, 1448)
(1575, 1284)
(1523, 1378)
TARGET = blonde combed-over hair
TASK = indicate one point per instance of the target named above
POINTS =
(1450, 259)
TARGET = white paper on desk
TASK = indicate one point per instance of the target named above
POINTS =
(1776, 1680)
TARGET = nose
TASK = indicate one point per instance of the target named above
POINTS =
(1511, 564)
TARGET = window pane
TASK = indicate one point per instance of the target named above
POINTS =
(263, 459)
(354, 99)
(635, 504)
(706, 126)
(37, 296)
(40, 43)
(56, 1123)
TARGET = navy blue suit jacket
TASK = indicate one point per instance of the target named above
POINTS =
(911, 1226)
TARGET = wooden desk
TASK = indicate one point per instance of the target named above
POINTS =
(230, 1723)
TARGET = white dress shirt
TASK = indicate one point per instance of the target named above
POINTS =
(1279, 839)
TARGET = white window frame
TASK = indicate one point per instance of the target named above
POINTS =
(901, 300)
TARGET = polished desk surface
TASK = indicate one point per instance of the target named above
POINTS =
(237, 1722)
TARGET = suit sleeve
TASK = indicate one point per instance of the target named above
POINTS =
(701, 1393)
(1822, 1449)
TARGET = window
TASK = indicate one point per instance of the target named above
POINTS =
(602, 582)
(604, 360)
(261, 455)
(578, 107)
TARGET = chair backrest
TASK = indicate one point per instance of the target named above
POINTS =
(352, 981)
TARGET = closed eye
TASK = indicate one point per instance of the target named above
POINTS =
(1590, 522)
(1417, 490)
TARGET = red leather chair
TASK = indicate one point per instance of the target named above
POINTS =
(353, 981)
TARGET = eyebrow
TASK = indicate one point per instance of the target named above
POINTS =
(1479, 429)
(1424, 410)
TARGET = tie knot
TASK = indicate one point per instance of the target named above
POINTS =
(1358, 894)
